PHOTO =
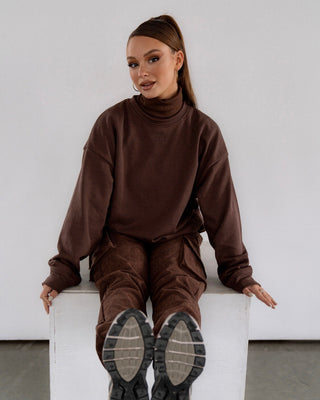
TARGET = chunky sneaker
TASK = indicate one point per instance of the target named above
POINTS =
(179, 357)
(127, 353)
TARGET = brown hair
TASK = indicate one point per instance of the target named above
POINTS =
(166, 29)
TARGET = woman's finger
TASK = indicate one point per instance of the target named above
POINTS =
(51, 296)
(247, 292)
(45, 305)
(45, 301)
(264, 296)
(47, 295)
(261, 294)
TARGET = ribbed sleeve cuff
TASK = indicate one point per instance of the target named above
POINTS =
(238, 281)
(248, 281)
(61, 277)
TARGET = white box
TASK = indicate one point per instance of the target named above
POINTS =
(77, 374)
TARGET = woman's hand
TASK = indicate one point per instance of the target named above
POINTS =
(47, 295)
(261, 294)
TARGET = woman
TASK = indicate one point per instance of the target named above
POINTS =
(155, 173)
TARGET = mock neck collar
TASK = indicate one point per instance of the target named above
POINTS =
(161, 108)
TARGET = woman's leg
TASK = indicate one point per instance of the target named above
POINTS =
(177, 278)
(121, 276)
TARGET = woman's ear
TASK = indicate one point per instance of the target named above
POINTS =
(179, 59)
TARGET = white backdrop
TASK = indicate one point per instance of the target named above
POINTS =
(255, 70)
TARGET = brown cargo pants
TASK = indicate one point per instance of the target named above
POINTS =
(127, 271)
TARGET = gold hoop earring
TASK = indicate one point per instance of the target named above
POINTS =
(135, 88)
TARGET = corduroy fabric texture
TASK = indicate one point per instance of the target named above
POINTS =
(130, 271)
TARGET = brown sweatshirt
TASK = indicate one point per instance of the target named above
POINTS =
(153, 169)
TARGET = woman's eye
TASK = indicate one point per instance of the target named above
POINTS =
(151, 60)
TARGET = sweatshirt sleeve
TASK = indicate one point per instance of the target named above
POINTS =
(83, 225)
(219, 207)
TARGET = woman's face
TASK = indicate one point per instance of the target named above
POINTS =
(153, 67)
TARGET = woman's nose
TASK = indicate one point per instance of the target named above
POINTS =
(142, 71)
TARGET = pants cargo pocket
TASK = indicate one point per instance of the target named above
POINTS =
(102, 248)
(192, 253)
(192, 260)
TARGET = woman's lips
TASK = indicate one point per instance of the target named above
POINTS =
(147, 86)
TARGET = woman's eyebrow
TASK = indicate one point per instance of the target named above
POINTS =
(148, 52)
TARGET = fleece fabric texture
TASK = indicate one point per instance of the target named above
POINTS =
(153, 169)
